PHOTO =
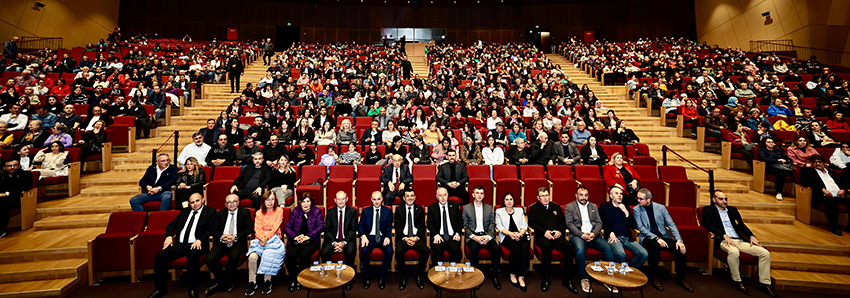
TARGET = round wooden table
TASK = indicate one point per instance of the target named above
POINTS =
(313, 281)
(634, 279)
(466, 282)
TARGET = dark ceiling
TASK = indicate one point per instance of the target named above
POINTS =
(433, 3)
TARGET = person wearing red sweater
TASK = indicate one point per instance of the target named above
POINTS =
(621, 174)
(690, 114)
(741, 142)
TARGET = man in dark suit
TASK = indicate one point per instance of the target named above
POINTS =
(734, 237)
(410, 235)
(585, 227)
(499, 134)
(395, 179)
(156, 184)
(479, 222)
(375, 229)
(825, 190)
(235, 69)
(323, 117)
(371, 134)
(253, 180)
(230, 232)
(142, 121)
(445, 226)
(547, 220)
(452, 175)
(13, 181)
(210, 133)
(268, 51)
(341, 231)
(186, 236)
(542, 151)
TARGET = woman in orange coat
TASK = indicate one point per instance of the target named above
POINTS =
(620, 174)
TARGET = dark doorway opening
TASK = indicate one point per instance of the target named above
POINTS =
(540, 38)
(285, 36)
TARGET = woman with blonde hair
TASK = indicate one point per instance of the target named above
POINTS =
(190, 180)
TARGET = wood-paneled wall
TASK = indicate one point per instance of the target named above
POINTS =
(78, 21)
(206, 19)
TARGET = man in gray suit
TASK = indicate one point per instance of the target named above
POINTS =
(585, 227)
(479, 224)
(658, 232)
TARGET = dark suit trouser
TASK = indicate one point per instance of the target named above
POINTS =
(402, 247)
(492, 247)
(8, 204)
(249, 194)
(830, 206)
(459, 192)
(438, 250)
(171, 253)
(561, 244)
(234, 255)
(299, 257)
(234, 81)
(520, 255)
(654, 249)
(389, 196)
(349, 252)
(367, 250)
(267, 58)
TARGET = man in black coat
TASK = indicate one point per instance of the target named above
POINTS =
(395, 179)
(223, 154)
(230, 232)
(341, 237)
(825, 190)
(452, 175)
(734, 237)
(235, 69)
(542, 151)
(13, 181)
(371, 134)
(268, 52)
(549, 224)
(186, 236)
(445, 225)
(253, 180)
(409, 221)
(142, 122)
(156, 184)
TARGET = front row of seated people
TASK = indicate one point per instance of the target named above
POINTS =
(268, 244)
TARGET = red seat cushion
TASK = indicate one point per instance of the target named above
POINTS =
(411, 255)
(556, 255)
(376, 255)
(96, 157)
(181, 263)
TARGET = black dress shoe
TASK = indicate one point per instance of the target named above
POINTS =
(545, 285)
(193, 293)
(297, 286)
(403, 283)
(292, 287)
(252, 288)
(366, 283)
(348, 286)
(419, 283)
(568, 283)
(157, 294)
(496, 283)
(741, 288)
(381, 283)
(213, 289)
(768, 290)
(267, 287)
(684, 284)
(229, 287)
(837, 231)
(656, 283)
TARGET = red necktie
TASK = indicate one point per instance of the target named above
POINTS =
(397, 179)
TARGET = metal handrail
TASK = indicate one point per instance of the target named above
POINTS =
(710, 173)
(786, 47)
(176, 136)
(29, 44)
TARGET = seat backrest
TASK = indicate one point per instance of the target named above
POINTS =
(217, 191)
(611, 149)
(478, 171)
(646, 172)
(369, 172)
(424, 171)
(227, 173)
(312, 173)
(208, 173)
(683, 216)
(532, 172)
(699, 216)
(587, 171)
(157, 220)
(666, 173)
(341, 172)
(126, 222)
(560, 171)
(685, 193)
(504, 172)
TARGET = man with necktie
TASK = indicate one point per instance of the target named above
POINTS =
(186, 236)
(452, 176)
(340, 231)
(444, 224)
(410, 220)
(230, 232)
(375, 228)
(395, 180)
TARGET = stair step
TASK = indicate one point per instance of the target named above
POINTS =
(767, 217)
(39, 288)
(72, 221)
(41, 270)
(809, 262)
(115, 190)
(49, 245)
(817, 282)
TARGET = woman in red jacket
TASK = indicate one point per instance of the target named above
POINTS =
(620, 174)
(690, 113)
(741, 142)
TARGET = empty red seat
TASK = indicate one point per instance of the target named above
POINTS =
(425, 184)
(110, 251)
(533, 178)
(368, 180)
(341, 178)
(507, 181)
(311, 174)
(590, 178)
(226, 173)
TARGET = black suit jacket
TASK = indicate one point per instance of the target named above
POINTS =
(166, 180)
(400, 218)
(349, 231)
(809, 178)
(244, 226)
(423, 154)
(367, 220)
(713, 223)
(367, 135)
(405, 176)
(435, 220)
(248, 171)
(203, 230)
(541, 219)
(585, 155)
(444, 175)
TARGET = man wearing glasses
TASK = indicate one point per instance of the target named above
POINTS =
(841, 157)
(156, 184)
(13, 181)
(230, 232)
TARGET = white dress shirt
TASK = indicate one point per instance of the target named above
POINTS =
(586, 226)
(828, 182)
(407, 223)
(191, 230)
(449, 229)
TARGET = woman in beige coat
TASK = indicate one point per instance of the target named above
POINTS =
(52, 160)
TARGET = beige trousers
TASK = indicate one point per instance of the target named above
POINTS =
(734, 252)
